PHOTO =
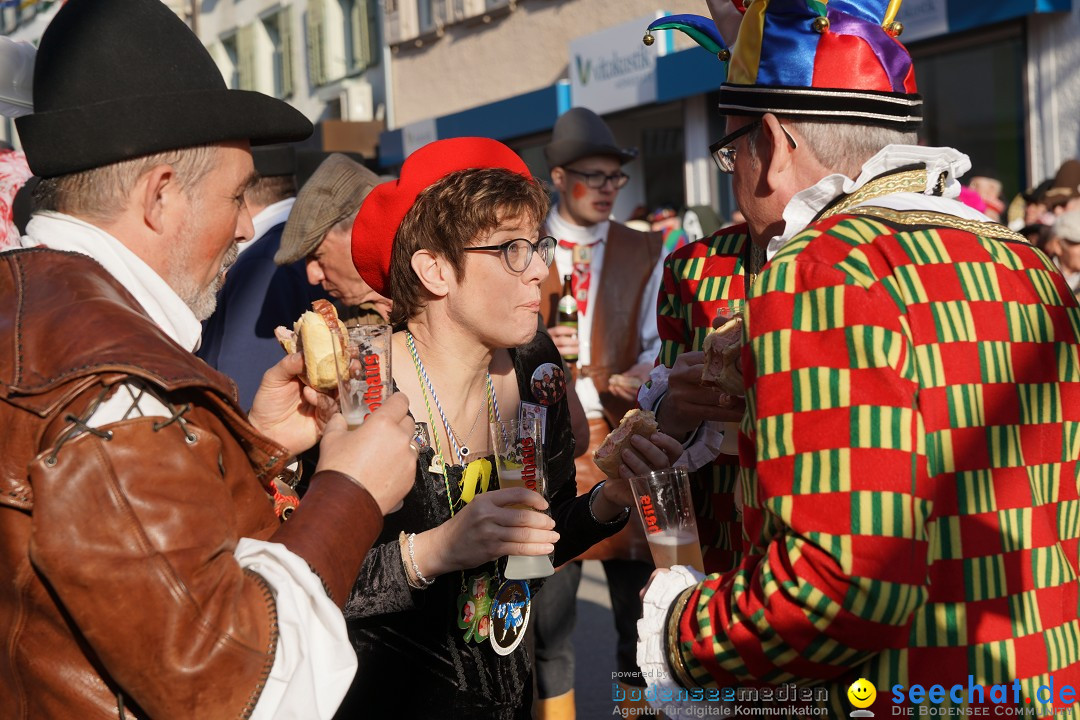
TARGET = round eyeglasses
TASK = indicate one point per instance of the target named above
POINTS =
(597, 180)
(723, 150)
(518, 253)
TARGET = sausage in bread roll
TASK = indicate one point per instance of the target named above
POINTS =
(321, 336)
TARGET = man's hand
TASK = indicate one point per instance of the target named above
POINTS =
(286, 410)
(644, 455)
(627, 384)
(380, 454)
(565, 339)
(688, 403)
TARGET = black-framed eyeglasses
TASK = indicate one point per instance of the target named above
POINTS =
(723, 150)
(597, 179)
(518, 253)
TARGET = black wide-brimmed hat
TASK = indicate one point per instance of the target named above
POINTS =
(581, 133)
(274, 160)
(117, 79)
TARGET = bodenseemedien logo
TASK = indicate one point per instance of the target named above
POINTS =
(861, 694)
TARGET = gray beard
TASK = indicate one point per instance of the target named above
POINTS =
(201, 301)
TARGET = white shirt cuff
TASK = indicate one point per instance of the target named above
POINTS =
(315, 663)
(663, 690)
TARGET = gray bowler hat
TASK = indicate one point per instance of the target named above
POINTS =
(332, 193)
(580, 133)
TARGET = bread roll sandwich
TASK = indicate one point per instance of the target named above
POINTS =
(723, 364)
(609, 455)
(321, 336)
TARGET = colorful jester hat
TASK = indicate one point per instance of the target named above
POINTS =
(831, 59)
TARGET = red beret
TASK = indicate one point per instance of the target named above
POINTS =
(386, 206)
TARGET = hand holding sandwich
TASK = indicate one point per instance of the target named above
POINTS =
(377, 454)
(688, 403)
(288, 411)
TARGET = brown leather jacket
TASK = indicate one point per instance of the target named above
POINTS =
(118, 583)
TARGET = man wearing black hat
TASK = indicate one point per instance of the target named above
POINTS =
(146, 568)
(905, 395)
(615, 275)
(258, 296)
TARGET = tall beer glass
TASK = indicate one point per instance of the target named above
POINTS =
(519, 458)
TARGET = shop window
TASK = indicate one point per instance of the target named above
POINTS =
(973, 91)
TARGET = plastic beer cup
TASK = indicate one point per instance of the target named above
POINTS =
(667, 512)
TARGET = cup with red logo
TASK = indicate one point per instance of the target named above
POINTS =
(519, 460)
(667, 512)
(366, 384)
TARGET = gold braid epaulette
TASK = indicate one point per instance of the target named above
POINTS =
(935, 219)
(674, 647)
(913, 181)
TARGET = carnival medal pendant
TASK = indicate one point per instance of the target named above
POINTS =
(473, 605)
(286, 499)
(437, 465)
(510, 615)
(581, 255)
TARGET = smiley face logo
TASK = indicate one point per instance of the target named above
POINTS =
(862, 694)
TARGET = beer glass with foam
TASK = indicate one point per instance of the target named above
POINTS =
(667, 511)
(519, 459)
(366, 384)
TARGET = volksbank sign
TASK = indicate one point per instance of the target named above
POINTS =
(613, 70)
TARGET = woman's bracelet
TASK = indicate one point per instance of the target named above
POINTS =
(592, 498)
(413, 575)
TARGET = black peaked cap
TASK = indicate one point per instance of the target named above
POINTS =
(117, 79)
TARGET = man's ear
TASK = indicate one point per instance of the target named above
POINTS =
(155, 192)
(558, 179)
(432, 271)
(775, 152)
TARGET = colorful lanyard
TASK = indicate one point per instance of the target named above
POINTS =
(421, 372)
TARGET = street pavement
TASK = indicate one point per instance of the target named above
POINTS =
(594, 645)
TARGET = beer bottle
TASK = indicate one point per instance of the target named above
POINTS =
(568, 311)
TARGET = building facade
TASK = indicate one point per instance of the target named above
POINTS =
(325, 57)
(386, 76)
(998, 78)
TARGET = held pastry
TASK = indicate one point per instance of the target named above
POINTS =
(609, 455)
(321, 336)
(723, 365)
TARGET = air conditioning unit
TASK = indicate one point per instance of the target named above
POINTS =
(357, 101)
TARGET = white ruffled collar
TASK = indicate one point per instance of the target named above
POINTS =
(807, 204)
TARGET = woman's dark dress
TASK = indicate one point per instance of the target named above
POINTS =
(413, 660)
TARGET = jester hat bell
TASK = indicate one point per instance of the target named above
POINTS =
(838, 60)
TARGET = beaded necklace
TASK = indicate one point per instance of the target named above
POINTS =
(476, 593)
(493, 404)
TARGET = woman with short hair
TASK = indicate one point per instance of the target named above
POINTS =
(455, 243)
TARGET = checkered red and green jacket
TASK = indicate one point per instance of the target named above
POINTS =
(911, 444)
(699, 279)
